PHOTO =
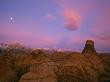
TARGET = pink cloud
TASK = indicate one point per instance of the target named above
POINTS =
(50, 17)
(101, 44)
(70, 15)
(47, 41)
(34, 38)
(72, 19)
(75, 12)
(101, 29)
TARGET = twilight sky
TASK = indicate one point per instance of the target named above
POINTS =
(56, 23)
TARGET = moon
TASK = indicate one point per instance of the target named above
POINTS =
(11, 20)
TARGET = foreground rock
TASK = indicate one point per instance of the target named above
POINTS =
(39, 70)
(74, 67)
(78, 68)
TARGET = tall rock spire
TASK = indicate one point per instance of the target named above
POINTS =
(89, 47)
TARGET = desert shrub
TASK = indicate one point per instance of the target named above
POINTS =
(19, 72)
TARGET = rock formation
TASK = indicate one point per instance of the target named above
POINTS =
(57, 67)
(89, 47)
(39, 70)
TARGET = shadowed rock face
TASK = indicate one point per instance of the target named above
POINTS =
(89, 47)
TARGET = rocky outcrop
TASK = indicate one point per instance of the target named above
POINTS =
(78, 68)
(39, 73)
(89, 47)
(61, 67)
(39, 70)
(58, 67)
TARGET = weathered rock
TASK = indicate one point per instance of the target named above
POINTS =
(59, 67)
(40, 70)
(89, 47)
(80, 68)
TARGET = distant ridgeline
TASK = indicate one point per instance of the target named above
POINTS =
(13, 48)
